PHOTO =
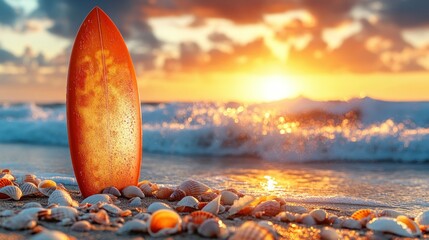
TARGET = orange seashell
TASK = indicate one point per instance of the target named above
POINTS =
(47, 187)
(207, 196)
(199, 217)
(177, 195)
(163, 192)
(5, 182)
(269, 208)
(193, 188)
(164, 222)
(413, 226)
(363, 213)
(148, 188)
(30, 178)
(251, 230)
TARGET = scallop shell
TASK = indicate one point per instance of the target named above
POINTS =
(213, 228)
(155, 206)
(251, 230)
(351, 223)
(213, 206)
(319, 215)
(177, 195)
(132, 191)
(46, 187)
(135, 202)
(240, 205)
(10, 192)
(193, 188)
(363, 213)
(328, 233)
(51, 234)
(294, 209)
(228, 197)
(148, 188)
(5, 182)
(60, 213)
(28, 189)
(163, 192)
(81, 226)
(112, 190)
(96, 198)
(62, 198)
(391, 225)
(188, 201)
(423, 221)
(268, 208)
(164, 222)
(7, 176)
(19, 222)
(199, 217)
(133, 226)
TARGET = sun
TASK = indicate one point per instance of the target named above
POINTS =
(275, 87)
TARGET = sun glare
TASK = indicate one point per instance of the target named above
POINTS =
(276, 87)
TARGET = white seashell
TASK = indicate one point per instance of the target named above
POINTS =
(164, 222)
(328, 233)
(46, 187)
(391, 225)
(193, 188)
(389, 213)
(100, 217)
(61, 212)
(81, 226)
(135, 202)
(213, 206)
(213, 228)
(155, 206)
(268, 208)
(96, 198)
(133, 226)
(423, 221)
(28, 189)
(7, 176)
(240, 204)
(36, 212)
(319, 215)
(112, 210)
(51, 235)
(142, 216)
(286, 217)
(62, 198)
(10, 192)
(307, 219)
(351, 223)
(132, 191)
(112, 190)
(7, 213)
(294, 209)
(188, 201)
(228, 197)
(19, 222)
(251, 230)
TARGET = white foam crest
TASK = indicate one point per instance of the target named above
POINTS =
(337, 200)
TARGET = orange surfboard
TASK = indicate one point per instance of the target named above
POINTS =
(103, 108)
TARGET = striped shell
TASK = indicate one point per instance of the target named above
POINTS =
(362, 213)
(163, 192)
(213, 206)
(60, 213)
(392, 225)
(96, 198)
(177, 195)
(148, 188)
(132, 191)
(5, 182)
(251, 230)
(164, 222)
(61, 198)
(133, 226)
(193, 188)
(112, 190)
(46, 187)
(199, 217)
(10, 192)
(267, 208)
(155, 206)
(228, 197)
(213, 228)
(29, 189)
(423, 221)
(81, 226)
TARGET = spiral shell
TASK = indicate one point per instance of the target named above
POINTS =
(112, 190)
(155, 206)
(81, 226)
(133, 226)
(392, 225)
(193, 188)
(132, 191)
(251, 230)
(213, 206)
(164, 222)
(177, 195)
(96, 198)
(267, 208)
(148, 188)
(10, 192)
(163, 192)
(228, 197)
(5, 182)
(46, 187)
(423, 221)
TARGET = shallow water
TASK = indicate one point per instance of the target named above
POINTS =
(340, 186)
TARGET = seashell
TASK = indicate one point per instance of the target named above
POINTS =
(423, 221)
(163, 193)
(319, 215)
(142, 216)
(213, 228)
(112, 190)
(7, 213)
(389, 213)
(307, 219)
(7, 176)
(187, 203)
(30, 178)
(282, 201)
(133, 226)
(164, 222)
(391, 225)
(351, 223)
(28, 189)
(155, 206)
(294, 209)
(62, 198)
(36, 213)
(240, 205)
(332, 218)
(100, 217)
(132, 191)
(5, 182)
(177, 195)
(269, 226)
(268, 208)
(251, 230)
(193, 188)
(328, 233)
(286, 217)
(96, 198)
(19, 222)
(81, 226)
(46, 187)
(51, 235)
(228, 197)
(135, 202)
(6, 171)
(207, 196)
(199, 217)
(413, 226)
(363, 213)
(148, 188)
(239, 194)
(32, 205)
(61, 212)
(10, 192)
(213, 206)
(115, 211)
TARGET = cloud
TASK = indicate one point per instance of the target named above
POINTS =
(8, 15)
(405, 13)
(329, 13)
(6, 56)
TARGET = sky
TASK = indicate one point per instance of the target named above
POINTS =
(223, 50)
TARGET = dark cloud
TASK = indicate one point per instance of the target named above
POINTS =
(218, 37)
(8, 15)
(6, 56)
(405, 13)
(329, 13)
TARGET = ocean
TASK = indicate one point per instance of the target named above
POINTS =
(344, 155)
